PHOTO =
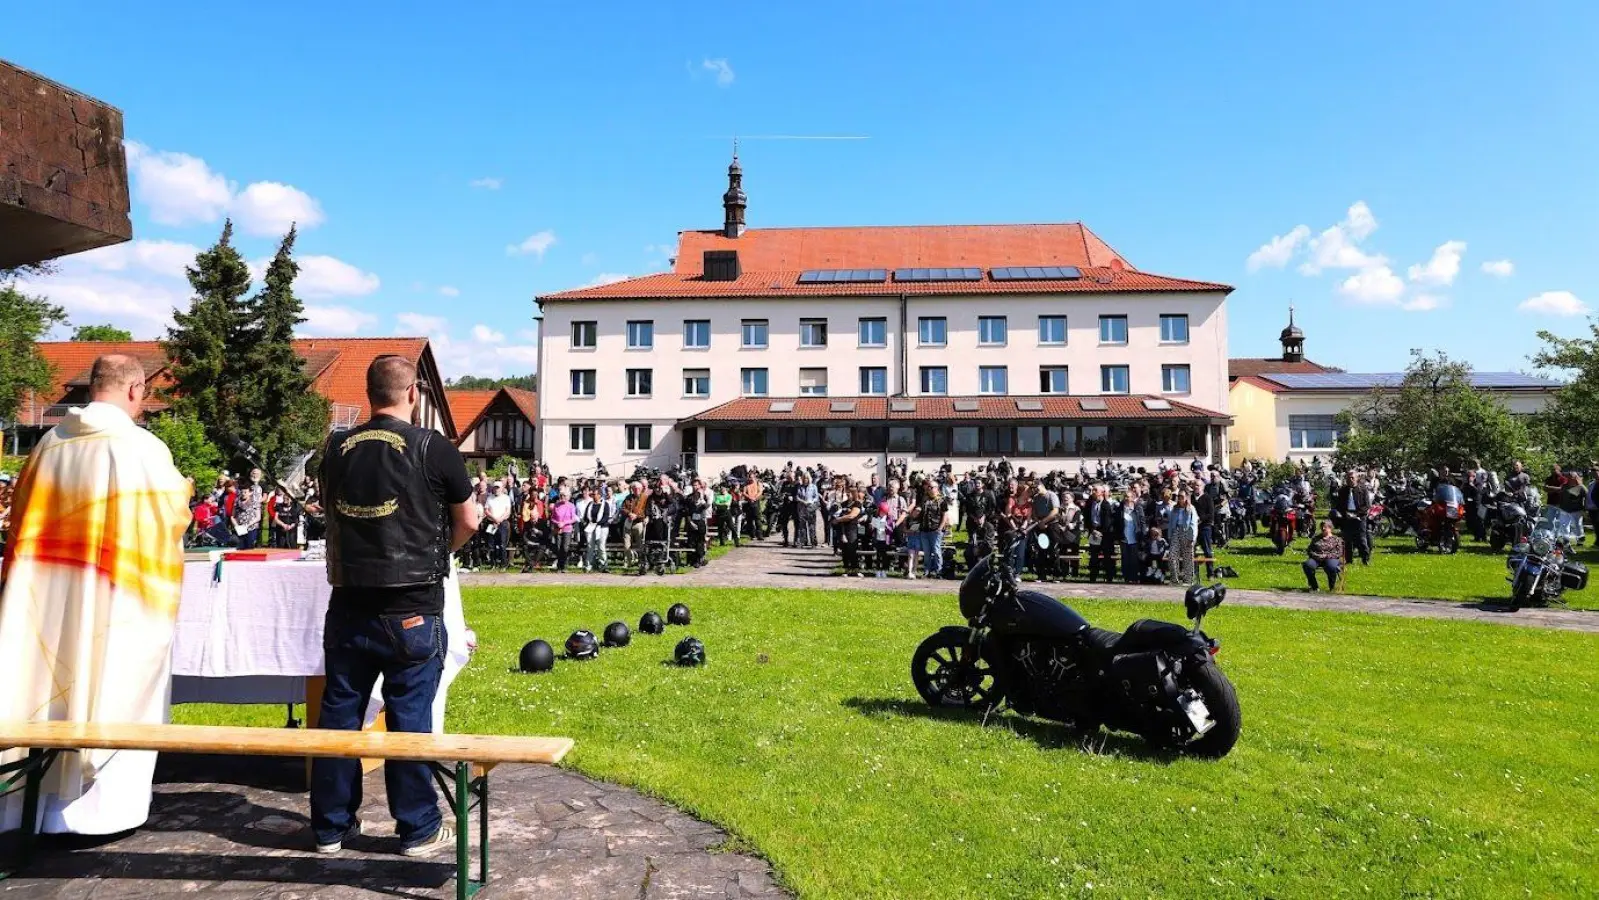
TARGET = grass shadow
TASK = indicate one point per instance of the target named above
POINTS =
(1047, 735)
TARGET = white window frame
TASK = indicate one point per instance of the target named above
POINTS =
(632, 433)
(696, 375)
(1169, 370)
(765, 326)
(593, 380)
(1126, 333)
(985, 376)
(860, 331)
(865, 386)
(813, 392)
(922, 381)
(577, 431)
(1187, 334)
(593, 329)
(649, 375)
(1105, 380)
(921, 324)
(637, 327)
(1300, 430)
(1042, 342)
(985, 324)
(805, 325)
(1065, 371)
(745, 376)
(690, 323)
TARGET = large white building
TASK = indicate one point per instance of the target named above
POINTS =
(850, 345)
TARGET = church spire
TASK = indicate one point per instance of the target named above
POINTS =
(1293, 340)
(734, 201)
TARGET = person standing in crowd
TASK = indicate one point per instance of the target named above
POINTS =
(497, 510)
(596, 528)
(1185, 526)
(635, 513)
(1350, 505)
(1552, 486)
(882, 534)
(1102, 540)
(1044, 510)
(1130, 528)
(1070, 526)
(1326, 554)
(722, 506)
(563, 522)
(806, 499)
(1571, 501)
(285, 521)
(753, 493)
(848, 524)
(696, 507)
(247, 513)
(88, 607)
(1155, 552)
(399, 501)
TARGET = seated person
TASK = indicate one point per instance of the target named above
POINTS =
(1327, 555)
(1155, 547)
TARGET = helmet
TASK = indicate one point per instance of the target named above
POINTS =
(536, 657)
(617, 635)
(651, 623)
(678, 614)
(689, 652)
(582, 645)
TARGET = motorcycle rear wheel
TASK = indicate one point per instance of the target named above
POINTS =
(949, 673)
(1222, 702)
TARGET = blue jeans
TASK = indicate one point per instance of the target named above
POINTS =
(250, 539)
(358, 648)
(1131, 562)
(1332, 567)
(933, 553)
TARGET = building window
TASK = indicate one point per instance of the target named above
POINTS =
(504, 432)
(813, 382)
(696, 334)
(752, 382)
(585, 335)
(965, 441)
(696, 382)
(901, 439)
(991, 331)
(754, 334)
(874, 332)
(1052, 330)
(993, 380)
(1052, 380)
(638, 439)
(1113, 329)
(1313, 432)
(582, 438)
(874, 380)
(640, 335)
(582, 382)
(935, 379)
(1113, 379)
(813, 332)
(1174, 379)
(1174, 329)
(932, 331)
(837, 437)
(640, 382)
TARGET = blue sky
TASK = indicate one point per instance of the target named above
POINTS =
(454, 162)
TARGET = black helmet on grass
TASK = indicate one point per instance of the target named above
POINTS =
(651, 623)
(678, 614)
(582, 645)
(617, 635)
(537, 656)
(689, 652)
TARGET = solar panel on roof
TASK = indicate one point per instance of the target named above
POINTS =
(781, 406)
(944, 274)
(904, 406)
(967, 406)
(842, 406)
(1035, 273)
(1029, 406)
(1092, 405)
(842, 276)
(1157, 404)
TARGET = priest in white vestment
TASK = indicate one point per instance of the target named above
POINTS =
(92, 574)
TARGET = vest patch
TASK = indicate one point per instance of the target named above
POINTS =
(350, 510)
(376, 434)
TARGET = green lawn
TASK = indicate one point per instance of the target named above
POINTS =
(1380, 756)
(1398, 569)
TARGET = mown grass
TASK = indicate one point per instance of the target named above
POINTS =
(1380, 756)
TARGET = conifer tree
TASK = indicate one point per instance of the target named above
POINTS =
(284, 416)
(208, 345)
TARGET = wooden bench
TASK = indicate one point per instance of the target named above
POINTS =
(473, 757)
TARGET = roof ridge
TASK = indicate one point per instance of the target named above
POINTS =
(747, 231)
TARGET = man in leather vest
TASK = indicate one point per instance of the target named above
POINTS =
(398, 502)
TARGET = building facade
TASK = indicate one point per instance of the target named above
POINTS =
(494, 423)
(1024, 326)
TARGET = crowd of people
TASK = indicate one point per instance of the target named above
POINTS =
(255, 515)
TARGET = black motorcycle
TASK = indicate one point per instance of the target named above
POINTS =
(1029, 651)
(1509, 523)
(1541, 570)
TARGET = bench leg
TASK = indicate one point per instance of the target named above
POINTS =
(481, 787)
(464, 886)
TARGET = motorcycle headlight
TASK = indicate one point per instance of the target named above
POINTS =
(1541, 547)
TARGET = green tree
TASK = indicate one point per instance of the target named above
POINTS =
(1432, 417)
(283, 416)
(1569, 425)
(502, 467)
(209, 344)
(24, 321)
(101, 333)
(480, 383)
(192, 451)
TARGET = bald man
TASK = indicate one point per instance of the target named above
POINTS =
(90, 598)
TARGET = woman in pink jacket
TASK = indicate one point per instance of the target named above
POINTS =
(564, 516)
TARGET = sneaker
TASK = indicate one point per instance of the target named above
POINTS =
(444, 837)
(354, 831)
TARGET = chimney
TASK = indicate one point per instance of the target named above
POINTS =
(721, 265)
(734, 201)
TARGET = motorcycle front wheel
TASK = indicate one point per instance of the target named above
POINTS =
(1222, 702)
(949, 672)
(1382, 528)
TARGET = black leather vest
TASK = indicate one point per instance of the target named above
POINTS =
(386, 528)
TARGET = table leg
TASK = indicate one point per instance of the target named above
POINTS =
(464, 886)
(483, 830)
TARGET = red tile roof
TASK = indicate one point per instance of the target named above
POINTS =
(1265, 384)
(527, 401)
(899, 246)
(343, 379)
(70, 362)
(1237, 368)
(935, 409)
(785, 283)
(468, 407)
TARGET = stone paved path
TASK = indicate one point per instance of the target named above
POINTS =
(231, 830)
(769, 564)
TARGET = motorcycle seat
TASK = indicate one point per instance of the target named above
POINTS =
(1102, 640)
(1150, 634)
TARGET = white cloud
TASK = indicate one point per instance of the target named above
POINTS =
(1555, 303)
(157, 257)
(1336, 248)
(1276, 252)
(449, 290)
(1359, 221)
(420, 323)
(179, 189)
(534, 245)
(1375, 285)
(335, 321)
(723, 71)
(1443, 267)
(1502, 268)
(1424, 303)
(606, 278)
(483, 334)
(268, 208)
(488, 184)
(143, 307)
(322, 277)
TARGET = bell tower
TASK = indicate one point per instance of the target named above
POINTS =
(734, 201)
(1293, 340)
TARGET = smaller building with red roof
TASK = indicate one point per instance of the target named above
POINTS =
(494, 423)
